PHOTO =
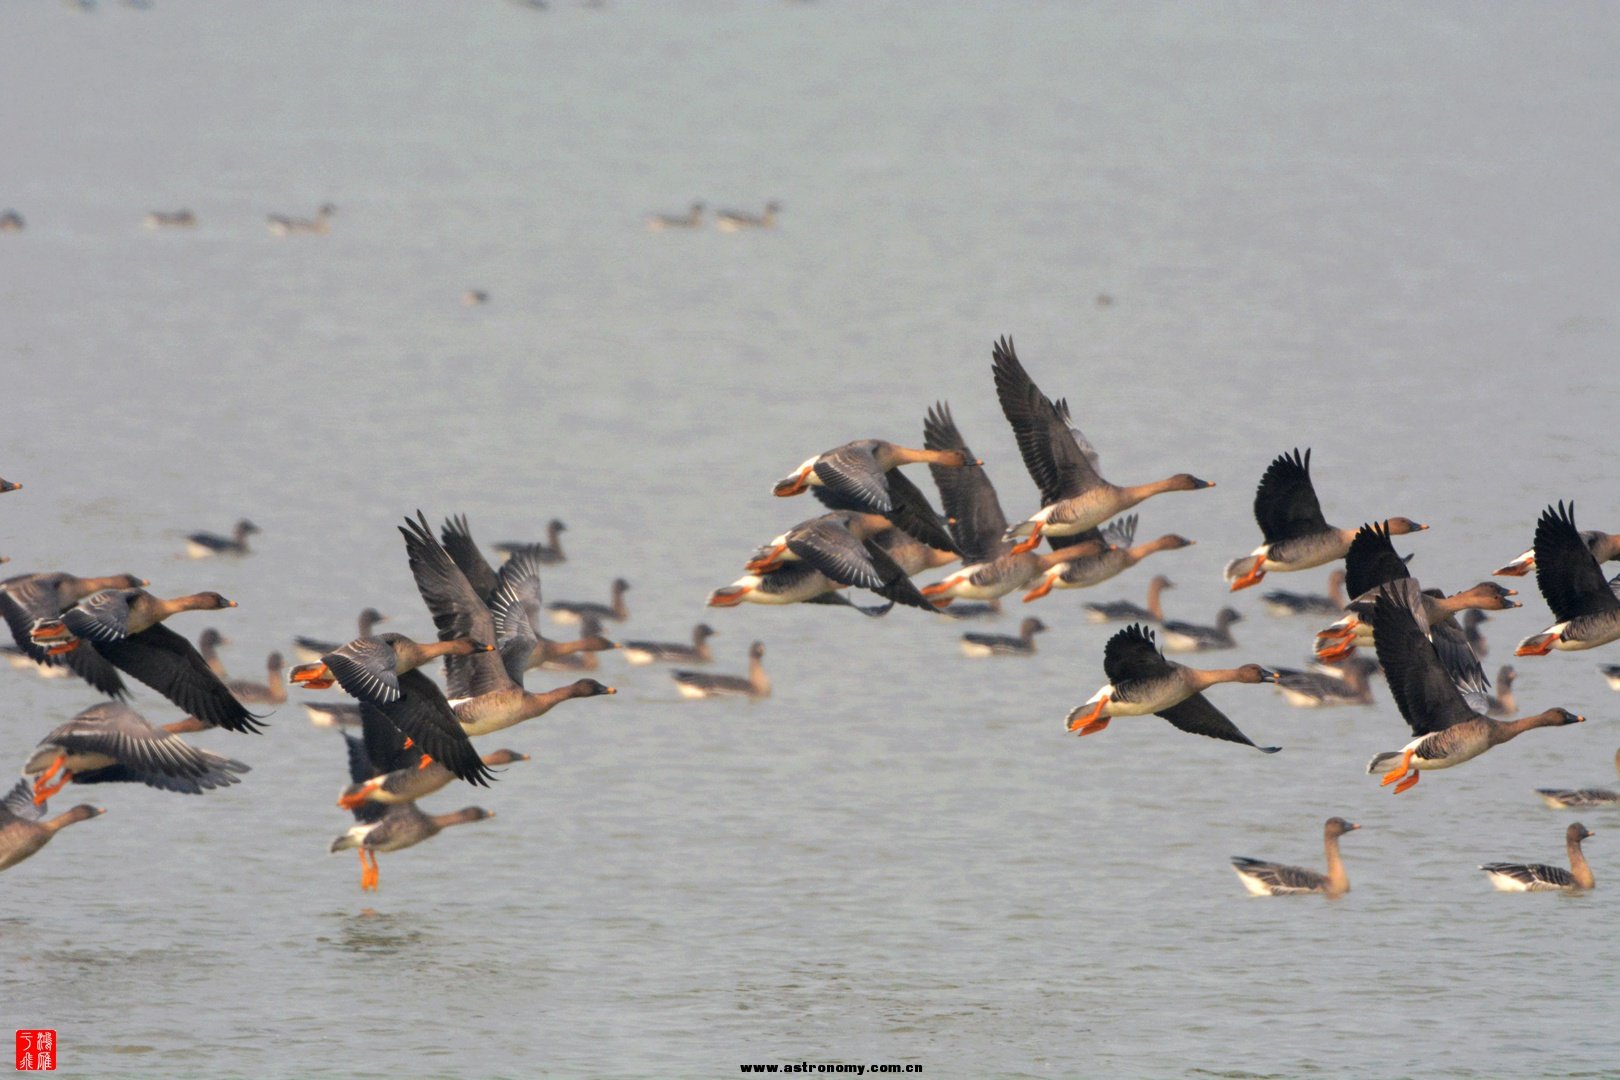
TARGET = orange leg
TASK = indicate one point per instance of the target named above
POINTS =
(349, 802)
(1091, 717)
(796, 486)
(1042, 589)
(1094, 727)
(1336, 651)
(43, 788)
(1033, 541)
(48, 630)
(1252, 576)
(1540, 645)
(1398, 771)
(1408, 782)
(311, 676)
(730, 596)
(64, 647)
(940, 586)
(942, 601)
(369, 872)
(766, 563)
(424, 763)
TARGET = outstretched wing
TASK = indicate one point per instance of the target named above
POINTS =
(852, 470)
(22, 604)
(1566, 571)
(458, 610)
(976, 519)
(1054, 459)
(1132, 655)
(1197, 716)
(172, 666)
(1285, 503)
(422, 713)
(458, 541)
(1372, 560)
(1419, 683)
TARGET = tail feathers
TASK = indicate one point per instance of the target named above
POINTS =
(1379, 760)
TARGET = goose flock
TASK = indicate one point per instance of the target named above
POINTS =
(407, 736)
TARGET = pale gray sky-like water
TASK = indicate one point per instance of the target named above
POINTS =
(1386, 232)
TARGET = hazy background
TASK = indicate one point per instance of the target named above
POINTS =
(1388, 232)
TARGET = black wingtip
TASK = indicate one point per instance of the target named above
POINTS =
(1268, 749)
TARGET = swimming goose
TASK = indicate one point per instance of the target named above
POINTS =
(23, 662)
(23, 830)
(700, 684)
(338, 714)
(1450, 727)
(568, 655)
(1190, 637)
(1275, 879)
(202, 545)
(397, 773)
(791, 583)
(565, 612)
(1539, 877)
(841, 546)
(980, 645)
(32, 598)
(738, 220)
(692, 219)
(1125, 611)
(112, 743)
(273, 691)
(1605, 547)
(208, 645)
(865, 474)
(11, 221)
(989, 609)
(1297, 537)
(1503, 702)
(485, 688)
(319, 225)
(1587, 610)
(309, 650)
(126, 626)
(1282, 603)
(1571, 798)
(1142, 681)
(1373, 567)
(7, 485)
(1471, 620)
(1319, 689)
(381, 671)
(170, 219)
(649, 652)
(549, 553)
(1095, 569)
(1074, 496)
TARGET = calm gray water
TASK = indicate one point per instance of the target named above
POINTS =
(1387, 232)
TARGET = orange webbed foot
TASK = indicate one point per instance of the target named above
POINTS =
(1408, 782)
(1040, 590)
(1251, 577)
(424, 763)
(1095, 726)
(1092, 717)
(1398, 771)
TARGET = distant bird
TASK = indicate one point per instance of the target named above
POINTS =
(474, 298)
(23, 830)
(1319, 689)
(1444, 707)
(319, 225)
(1121, 555)
(1074, 496)
(7, 485)
(1605, 547)
(202, 545)
(738, 220)
(1125, 611)
(333, 714)
(1611, 675)
(981, 645)
(208, 645)
(701, 684)
(692, 219)
(1190, 637)
(1539, 877)
(1573, 798)
(568, 655)
(126, 626)
(565, 612)
(273, 691)
(310, 650)
(1282, 603)
(112, 743)
(170, 219)
(1275, 879)
(1471, 621)
(651, 652)
(548, 553)
(11, 221)
(1504, 703)
(1142, 681)
(30, 599)
(1585, 605)
(1297, 536)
